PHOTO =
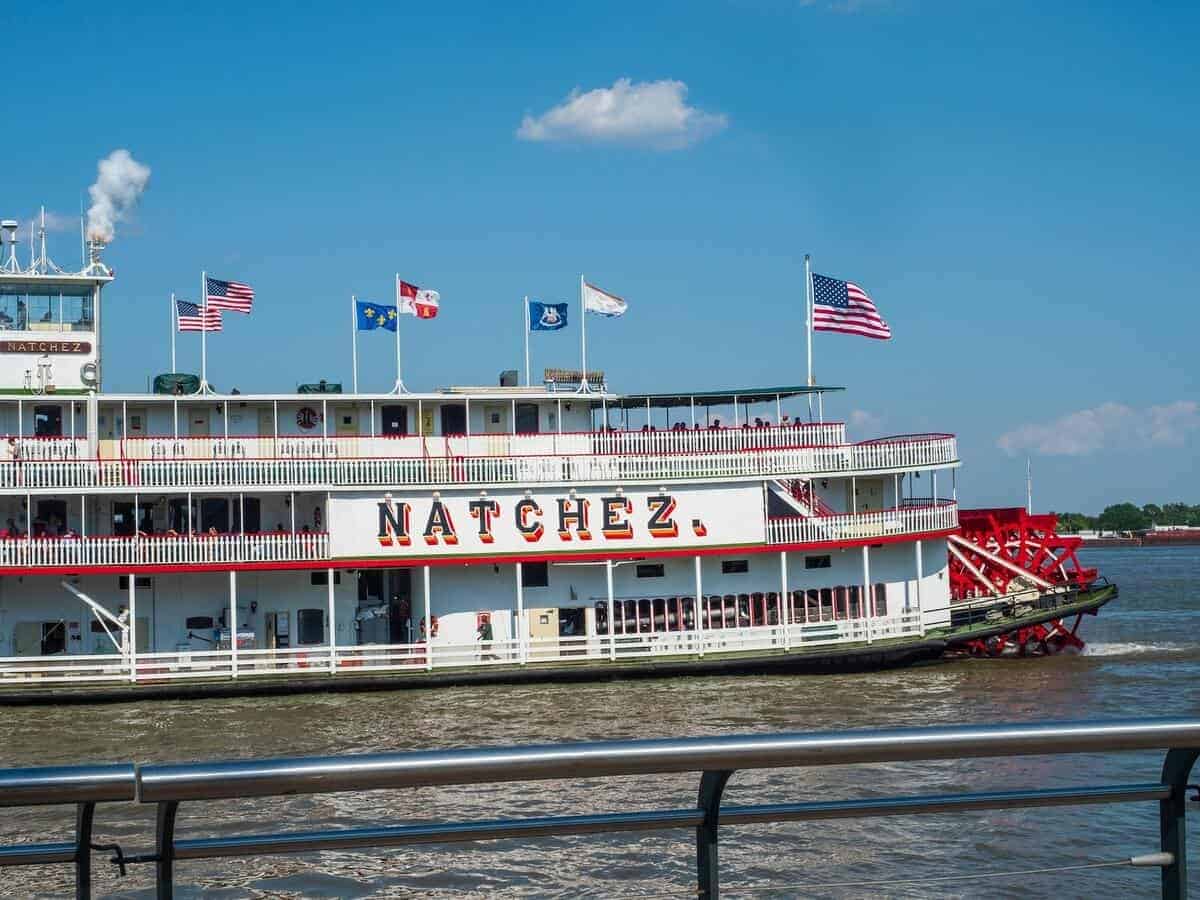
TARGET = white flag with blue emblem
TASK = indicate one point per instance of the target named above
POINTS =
(602, 302)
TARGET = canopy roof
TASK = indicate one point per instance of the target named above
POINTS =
(716, 398)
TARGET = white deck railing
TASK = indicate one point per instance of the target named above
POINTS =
(706, 440)
(899, 455)
(941, 516)
(414, 659)
(159, 550)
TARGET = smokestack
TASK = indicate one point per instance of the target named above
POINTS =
(119, 185)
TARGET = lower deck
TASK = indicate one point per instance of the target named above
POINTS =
(168, 626)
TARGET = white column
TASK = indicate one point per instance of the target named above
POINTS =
(920, 571)
(521, 643)
(233, 627)
(784, 601)
(699, 608)
(612, 629)
(332, 624)
(131, 634)
(428, 622)
(865, 601)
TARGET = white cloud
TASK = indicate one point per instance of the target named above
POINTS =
(864, 422)
(55, 223)
(650, 113)
(1106, 427)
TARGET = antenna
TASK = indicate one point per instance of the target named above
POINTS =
(9, 227)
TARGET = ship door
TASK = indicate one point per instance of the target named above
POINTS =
(454, 418)
(543, 628)
(198, 425)
(266, 427)
(870, 494)
(51, 517)
(347, 421)
(401, 628)
(277, 630)
(495, 419)
(137, 423)
(527, 418)
(393, 421)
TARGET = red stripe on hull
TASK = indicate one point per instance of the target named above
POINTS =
(510, 559)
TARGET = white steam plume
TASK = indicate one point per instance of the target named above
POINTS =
(120, 183)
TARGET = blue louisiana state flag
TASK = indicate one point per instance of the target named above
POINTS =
(375, 315)
(547, 316)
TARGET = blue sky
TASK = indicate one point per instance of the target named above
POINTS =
(1015, 185)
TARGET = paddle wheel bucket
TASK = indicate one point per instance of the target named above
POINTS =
(1009, 555)
(1002, 551)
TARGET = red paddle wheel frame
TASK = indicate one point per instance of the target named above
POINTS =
(998, 552)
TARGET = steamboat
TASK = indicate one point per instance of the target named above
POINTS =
(185, 541)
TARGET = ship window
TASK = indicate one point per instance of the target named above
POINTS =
(535, 574)
(141, 581)
(47, 421)
(322, 578)
(650, 570)
(310, 625)
(817, 562)
(735, 566)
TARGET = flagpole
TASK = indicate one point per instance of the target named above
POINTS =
(583, 384)
(526, 340)
(204, 335)
(399, 388)
(808, 324)
(354, 341)
(173, 369)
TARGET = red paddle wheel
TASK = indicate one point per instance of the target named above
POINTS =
(1003, 553)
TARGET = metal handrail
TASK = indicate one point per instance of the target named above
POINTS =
(716, 757)
(81, 786)
(331, 774)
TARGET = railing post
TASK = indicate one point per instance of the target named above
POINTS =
(165, 850)
(1172, 822)
(84, 816)
(712, 786)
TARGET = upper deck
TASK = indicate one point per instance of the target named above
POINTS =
(459, 437)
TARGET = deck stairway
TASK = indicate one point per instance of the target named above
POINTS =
(800, 495)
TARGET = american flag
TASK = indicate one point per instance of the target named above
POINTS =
(845, 307)
(231, 295)
(191, 318)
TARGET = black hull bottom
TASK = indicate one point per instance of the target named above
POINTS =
(890, 654)
(860, 659)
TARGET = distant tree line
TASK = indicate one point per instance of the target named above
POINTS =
(1129, 517)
